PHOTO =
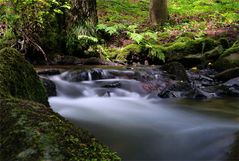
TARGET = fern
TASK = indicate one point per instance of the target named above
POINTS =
(138, 38)
(151, 35)
(112, 30)
(156, 52)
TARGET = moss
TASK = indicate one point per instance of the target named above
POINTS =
(232, 50)
(18, 78)
(190, 46)
(32, 131)
(229, 58)
(214, 53)
(129, 49)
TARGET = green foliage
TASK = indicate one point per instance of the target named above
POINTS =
(112, 30)
(232, 50)
(34, 21)
(110, 11)
(156, 51)
(7, 39)
(81, 37)
(129, 49)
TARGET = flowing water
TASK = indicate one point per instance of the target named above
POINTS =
(142, 127)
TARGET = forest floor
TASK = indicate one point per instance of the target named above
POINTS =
(127, 22)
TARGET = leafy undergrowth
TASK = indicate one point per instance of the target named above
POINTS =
(127, 22)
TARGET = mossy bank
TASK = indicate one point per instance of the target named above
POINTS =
(30, 130)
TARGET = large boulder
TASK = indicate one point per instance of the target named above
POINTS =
(32, 131)
(18, 78)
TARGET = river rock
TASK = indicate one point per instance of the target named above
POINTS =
(66, 60)
(228, 74)
(49, 72)
(230, 88)
(177, 69)
(93, 74)
(176, 90)
(50, 86)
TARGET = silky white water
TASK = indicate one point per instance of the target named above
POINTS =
(140, 127)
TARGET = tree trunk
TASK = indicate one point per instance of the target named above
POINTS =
(158, 12)
(83, 11)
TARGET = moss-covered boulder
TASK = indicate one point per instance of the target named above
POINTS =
(188, 51)
(32, 131)
(18, 78)
(229, 58)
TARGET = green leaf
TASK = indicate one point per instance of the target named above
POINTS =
(58, 11)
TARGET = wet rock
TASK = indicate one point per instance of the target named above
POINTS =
(66, 60)
(50, 86)
(230, 88)
(75, 76)
(94, 61)
(176, 90)
(48, 72)
(116, 84)
(177, 70)
(228, 74)
(203, 77)
(93, 74)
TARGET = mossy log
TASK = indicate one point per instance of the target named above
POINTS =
(29, 129)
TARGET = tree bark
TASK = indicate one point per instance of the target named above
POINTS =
(158, 12)
(83, 11)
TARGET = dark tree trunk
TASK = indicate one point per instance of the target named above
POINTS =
(82, 11)
(158, 12)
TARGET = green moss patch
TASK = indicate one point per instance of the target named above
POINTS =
(18, 78)
(129, 49)
(31, 131)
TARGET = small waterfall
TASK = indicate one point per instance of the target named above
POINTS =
(89, 76)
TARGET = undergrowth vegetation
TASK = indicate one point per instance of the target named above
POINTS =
(121, 23)
(128, 21)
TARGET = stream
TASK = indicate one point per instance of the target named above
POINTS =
(139, 126)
